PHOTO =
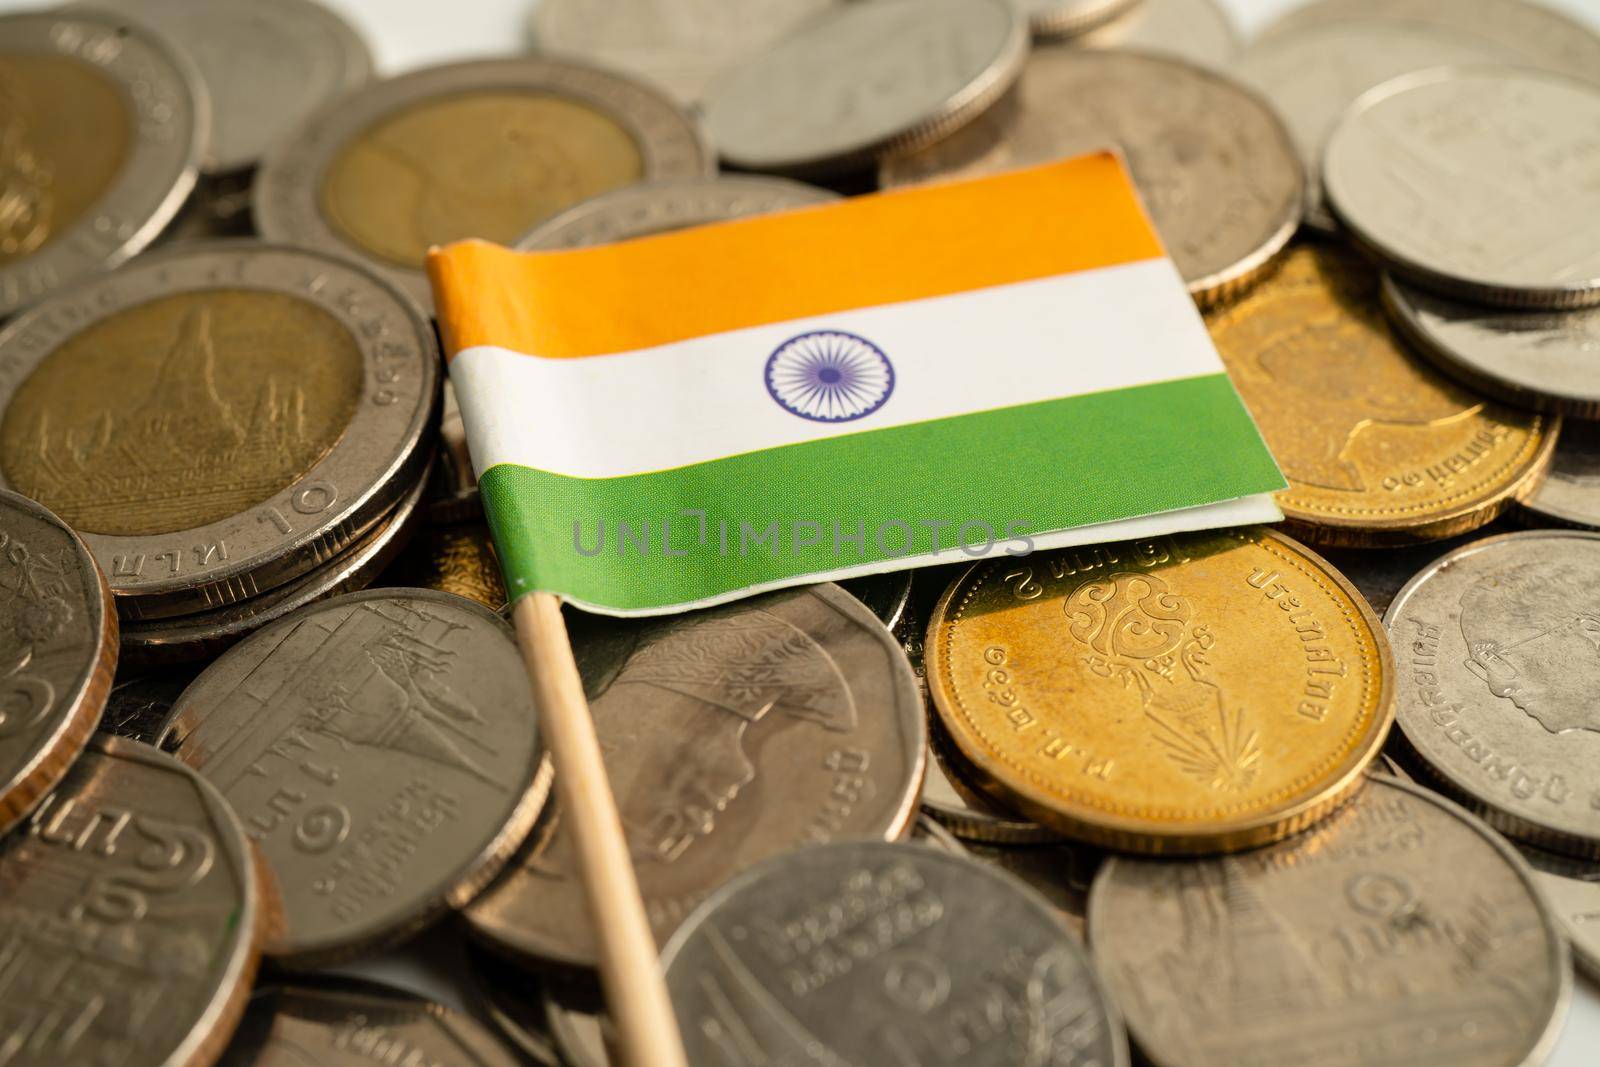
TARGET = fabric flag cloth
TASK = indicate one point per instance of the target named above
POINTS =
(913, 377)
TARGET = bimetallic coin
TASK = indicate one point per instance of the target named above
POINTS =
(265, 66)
(863, 81)
(58, 651)
(138, 708)
(483, 149)
(1214, 165)
(217, 419)
(1544, 360)
(1065, 18)
(1201, 693)
(886, 953)
(1500, 659)
(101, 130)
(1468, 181)
(1197, 30)
(1364, 941)
(132, 917)
(1572, 889)
(1570, 494)
(382, 749)
(729, 735)
(1378, 448)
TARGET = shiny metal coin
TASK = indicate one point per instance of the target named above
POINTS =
(138, 708)
(132, 917)
(1213, 163)
(487, 149)
(885, 595)
(102, 127)
(215, 420)
(1570, 494)
(58, 651)
(1470, 181)
(729, 735)
(1572, 889)
(886, 953)
(1360, 942)
(266, 66)
(863, 81)
(1066, 18)
(1498, 650)
(382, 749)
(1200, 31)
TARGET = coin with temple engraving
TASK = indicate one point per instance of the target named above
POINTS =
(131, 917)
(217, 419)
(1498, 668)
(58, 650)
(382, 749)
(1200, 693)
(1402, 931)
(729, 735)
(881, 953)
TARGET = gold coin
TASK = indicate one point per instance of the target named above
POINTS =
(1208, 692)
(1378, 448)
(453, 559)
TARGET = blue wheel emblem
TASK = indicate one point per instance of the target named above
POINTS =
(829, 376)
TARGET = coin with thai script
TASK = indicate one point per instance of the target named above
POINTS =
(1467, 182)
(1401, 931)
(729, 735)
(382, 750)
(1377, 446)
(132, 916)
(1199, 693)
(1066, 18)
(1214, 165)
(1200, 31)
(1570, 494)
(58, 651)
(265, 66)
(1572, 889)
(217, 419)
(886, 953)
(489, 149)
(139, 707)
(1499, 658)
(859, 82)
(102, 127)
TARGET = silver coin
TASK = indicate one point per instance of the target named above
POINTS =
(487, 149)
(1197, 30)
(1317, 59)
(77, 204)
(885, 595)
(382, 749)
(266, 66)
(1544, 360)
(1364, 941)
(1570, 493)
(886, 953)
(1213, 163)
(1498, 659)
(680, 45)
(1066, 18)
(865, 80)
(1572, 889)
(1475, 182)
(729, 735)
(138, 708)
(217, 419)
(1061, 874)
(1380, 574)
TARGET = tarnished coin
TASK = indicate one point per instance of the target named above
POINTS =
(1197, 30)
(101, 131)
(334, 1023)
(217, 419)
(58, 651)
(1202, 693)
(265, 66)
(1468, 181)
(1051, 18)
(861, 81)
(729, 735)
(131, 919)
(1317, 59)
(1500, 659)
(1214, 165)
(1570, 494)
(1377, 446)
(886, 953)
(1544, 360)
(382, 749)
(1402, 931)
(487, 149)
(1380, 574)
(138, 708)
(1572, 889)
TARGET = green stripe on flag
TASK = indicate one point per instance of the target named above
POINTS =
(1041, 467)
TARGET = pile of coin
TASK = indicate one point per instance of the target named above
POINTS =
(1210, 799)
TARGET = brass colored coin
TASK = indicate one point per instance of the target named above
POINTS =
(1378, 447)
(1203, 693)
(455, 559)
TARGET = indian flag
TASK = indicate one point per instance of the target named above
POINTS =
(914, 377)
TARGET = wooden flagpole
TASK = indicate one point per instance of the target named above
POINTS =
(630, 969)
